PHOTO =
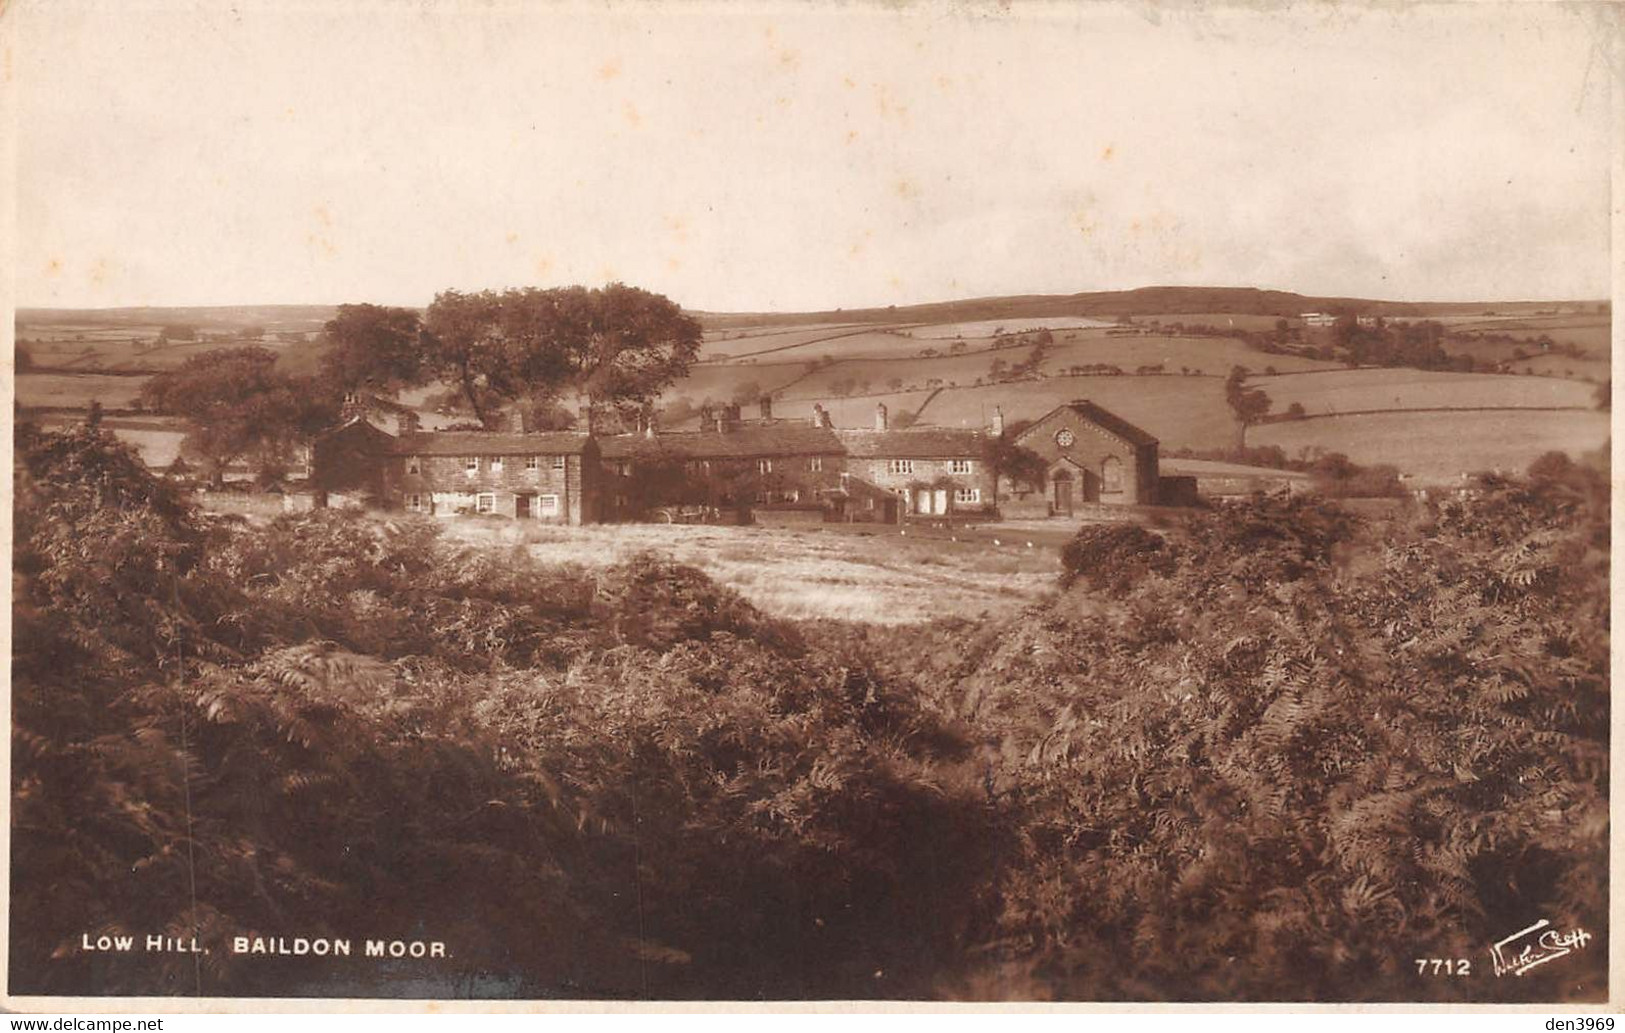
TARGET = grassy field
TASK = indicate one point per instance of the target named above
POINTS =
(1224, 320)
(1592, 371)
(1437, 447)
(1588, 332)
(857, 411)
(156, 438)
(883, 578)
(913, 372)
(76, 390)
(1357, 390)
(1214, 355)
(988, 327)
(1183, 412)
(863, 344)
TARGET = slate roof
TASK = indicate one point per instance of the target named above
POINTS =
(489, 443)
(1110, 421)
(789, 439)
(922, 443)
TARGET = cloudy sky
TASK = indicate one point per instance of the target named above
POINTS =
(796, 156)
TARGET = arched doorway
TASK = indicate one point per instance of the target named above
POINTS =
(1061, 492)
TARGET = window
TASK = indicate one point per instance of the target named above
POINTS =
(870, 505)
(533, 462)
(1111, 474)
(414, 503)
(764, 466)
(471, 465)
(414, 464)
(485, 503)
(558, 462)
(959, 466)
(900, 466)
(761, 498)
(496, 464)
(547, 505)
(794, 495)
(815, 464)
(968, 496)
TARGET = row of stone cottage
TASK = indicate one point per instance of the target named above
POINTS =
(764, 468)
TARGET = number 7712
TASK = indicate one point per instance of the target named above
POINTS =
(1444, 967)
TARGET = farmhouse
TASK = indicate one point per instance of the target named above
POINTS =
(763, 469)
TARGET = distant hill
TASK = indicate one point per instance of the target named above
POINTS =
(309, 317)
(1099, 304)
(1110, 304)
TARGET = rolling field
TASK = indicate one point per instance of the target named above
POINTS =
(1359, 390)
(1590, 333)
(1437, 447)
(843, 574)
(1593, 371)
(1015, 325)
(1212, 355)
(720, 382)
(1226, 320)
(156, 438)
(855, 412)
(1183, 412)
(77, 390)
(848, 344)
(965, 369)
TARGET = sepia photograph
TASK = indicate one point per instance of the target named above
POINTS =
(923, 503)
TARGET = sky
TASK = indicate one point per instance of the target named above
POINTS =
(800, 156)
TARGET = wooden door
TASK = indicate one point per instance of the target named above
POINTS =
(1063, 494)
(522, 506)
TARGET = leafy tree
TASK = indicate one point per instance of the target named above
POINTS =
(237, 405)
(615, 345)
(374, 346)
(1248, 405)
(1010, 461)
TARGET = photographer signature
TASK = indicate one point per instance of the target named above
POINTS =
(1536, 945)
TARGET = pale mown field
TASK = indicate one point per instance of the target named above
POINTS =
(1358, 390)
(886, 578)
(1438, 447)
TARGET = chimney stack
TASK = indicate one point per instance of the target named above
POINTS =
(766, 402)
(353, 408)
(818, 415)
(516, 422)
(880, 416)
(585, 415)
(998, 422)
(407, 423)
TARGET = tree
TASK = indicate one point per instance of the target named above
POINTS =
(374, 346)
(748, 392)
(1248, 404)
(617, 345)
(1010, 461)
(236, 404)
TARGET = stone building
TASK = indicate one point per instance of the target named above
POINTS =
(733, 468)
(1093, 456)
